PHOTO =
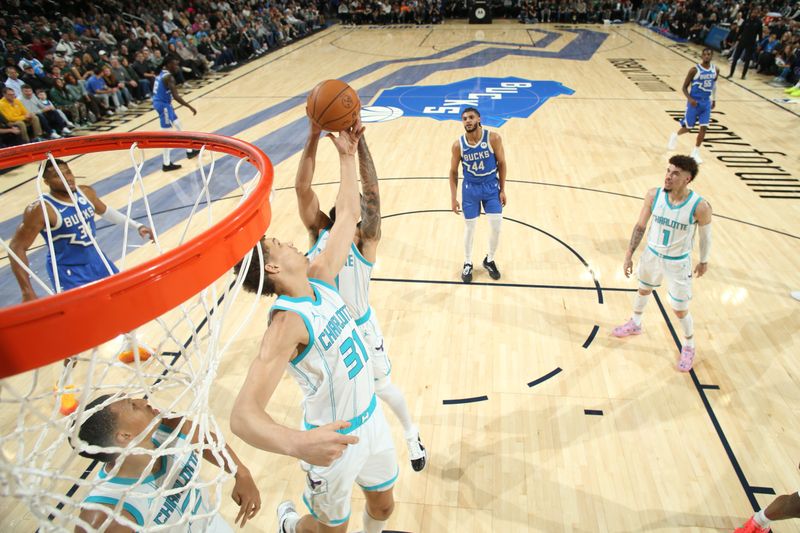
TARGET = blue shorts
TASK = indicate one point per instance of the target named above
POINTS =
(71, 276)
(166, 114)
(474, 194)
(697, 115)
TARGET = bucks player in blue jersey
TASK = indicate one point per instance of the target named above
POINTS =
(700, 87)
(345, 438)
(132, 423)
(164, 90)
(353, 280)
(675, 214)
(481, 155)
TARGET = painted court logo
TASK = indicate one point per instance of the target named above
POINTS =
(498, 100)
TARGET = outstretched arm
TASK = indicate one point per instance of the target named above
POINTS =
(370, 203)
(114, 216)
(326, 266)
(173, 88)
(638, 231)
(313, 218)
(455, 160)
(499, 155)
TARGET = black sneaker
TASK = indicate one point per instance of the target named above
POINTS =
(191, 154)
(170, 167)
(466, 274)
(491, 268)
(416, 453)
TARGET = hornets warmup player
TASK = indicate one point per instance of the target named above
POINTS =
(354, 278)
(480, 153)
(700, 87)
(345, 438)
(675, 213)
(129, 422)
(164, 90)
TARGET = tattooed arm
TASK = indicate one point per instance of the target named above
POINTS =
(638, 231)
(370, 204)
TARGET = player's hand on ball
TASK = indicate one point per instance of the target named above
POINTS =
(246, 495)
(628, 267)
(347, 140)
(700, 269)
(313, 127)
(455, 206)
(146, 233)
(503, 198)
(323, 445)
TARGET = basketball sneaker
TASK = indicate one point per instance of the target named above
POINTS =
(673, 141)
(795, 295)
(416, 453)
(170, 167)
(687, 359)
(696, 155)
(466, 274)
(751, 527)
(286, 510)
(191, 154)
(795, 92)
(789, 90)
(491, 268)
(67, 400)
(626, 329)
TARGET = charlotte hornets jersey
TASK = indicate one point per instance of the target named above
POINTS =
(161, 94)
(151, 509)
(672, 227)
(478, 161)
(703, 82)
(71, 241)
(333, 370)
(353, 278)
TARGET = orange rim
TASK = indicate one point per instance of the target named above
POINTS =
(40, 332)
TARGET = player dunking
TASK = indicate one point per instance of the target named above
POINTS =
(480, 153)
(312, 333)
(353, 279)
(77, 260)
(164, 90)
(674, 212)
(700, 87)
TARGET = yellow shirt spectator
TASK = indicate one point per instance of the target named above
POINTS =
(13, 111)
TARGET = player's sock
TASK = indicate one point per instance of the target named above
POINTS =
(495, 221)
(165, 157)
(761, 519)
(687, 323)
(177, 124)
(469, 234)
(371, 525)
(394, 398)
(639, 302)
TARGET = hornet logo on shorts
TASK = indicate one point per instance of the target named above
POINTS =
(497, 99)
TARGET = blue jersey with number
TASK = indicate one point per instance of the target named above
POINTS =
(703, 82)
(161, 93)
(333, 370)
(478, 161)
(70, 237)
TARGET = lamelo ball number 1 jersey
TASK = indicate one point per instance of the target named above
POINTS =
(672, 227)
(333, 370)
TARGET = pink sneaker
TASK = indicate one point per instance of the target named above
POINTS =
(751, 527)
(628, 328)
(687, 358)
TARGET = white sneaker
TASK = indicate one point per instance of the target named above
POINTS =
(416, 453)
(795, 295)
(696, 156)
(55, 135)
(122, 108)
(66, 131)
(673, 141)
(286, 510)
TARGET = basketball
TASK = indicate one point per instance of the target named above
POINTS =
(333, 105)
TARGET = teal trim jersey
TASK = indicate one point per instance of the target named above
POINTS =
(672, 227)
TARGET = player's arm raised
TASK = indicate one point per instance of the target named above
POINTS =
(638, 231)
(32, 224)
(686, 83)
(370, 202)
(326, 266)
(169, 80)
(703, 215)
(250, 421)
(112, 215)
(307, 202)
(455, 160)
(500, 156)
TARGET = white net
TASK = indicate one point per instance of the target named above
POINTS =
(156, 379)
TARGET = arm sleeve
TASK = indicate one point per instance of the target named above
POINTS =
(115, 217)
(705, 242)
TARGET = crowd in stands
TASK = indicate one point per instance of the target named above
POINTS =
(69, 63)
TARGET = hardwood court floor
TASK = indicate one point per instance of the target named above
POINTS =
(670, 452)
